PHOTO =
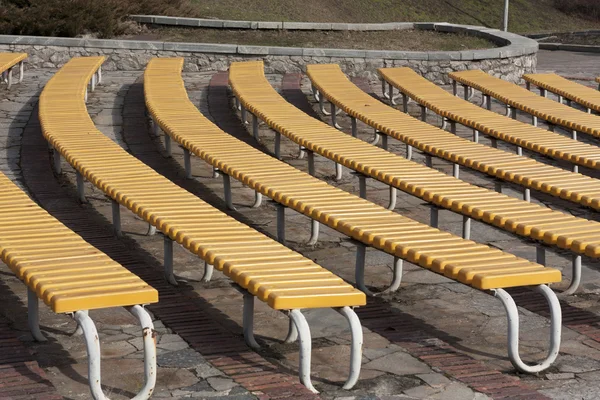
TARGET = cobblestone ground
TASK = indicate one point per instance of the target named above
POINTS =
(467, 325)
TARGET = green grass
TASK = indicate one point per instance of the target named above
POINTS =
(526, 16)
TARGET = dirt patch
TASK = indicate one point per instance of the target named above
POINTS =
(411, 40)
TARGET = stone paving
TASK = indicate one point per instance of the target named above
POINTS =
(447, 315)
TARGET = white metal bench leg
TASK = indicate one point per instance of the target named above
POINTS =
(576, 278)
(277, 145)
(574, 134)
(356, 346)
(99, 75)
(151, 230)
(354, 127)
(9, 77)
(208, 272)
(409, 151)
(280, 223)
(334, 113)
(488, 101)
(589, 110)
(455, 170)
(187, 162)
(33, 316)
(248, 321)
(405, 103)
(513, 329)
(384, 93)
(475, 135)
(466, 227)
(384, 141)
(292, 335)
(315, 92)
(362, 185)
(257, 199)
(338, 172)
(301, 152)
(305, 348)
(56, 158)
(444, 123)
(116, 218)
(423, 113)
(359, 273)
(85, 96)
(227, 191)
(80, 187)
(393, 197)
(93, 82)
(238, 105)
(21, 71)
(215, 172)
(376, 137)
(314, 232)
(243, 112)
(155, 128)
(527, 195)
(168, 250)
(534, 120)
(508, 111)
(322, 106)
(79, 330)
(92, 344)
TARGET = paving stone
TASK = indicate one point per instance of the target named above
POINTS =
(207, 371)
(221, 384)
(398, 363)
(570, 363)
(186, 358)
(434, 379)
(564, 375)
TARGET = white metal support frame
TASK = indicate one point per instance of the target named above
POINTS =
(80, 187)
(168, 261)
(116, 218)
(359, 273)
(187, 162)
(92, 343)
(227, 191)
(576, 278)
(513, 329)
(33, 316)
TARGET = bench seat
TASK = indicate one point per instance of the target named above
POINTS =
(7, 62)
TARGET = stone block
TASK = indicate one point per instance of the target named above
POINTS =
(201, 47)
(337, 26)
(188, 22)
(467, 55)
(485, 54)
(210, 23)
(161, 20)
(123, 44)
(427, 26)
(443, 55)
(253, 50)
(237, 24)
(144, 19)
(307, 26)
(349, 53)
(270, 25)
(284, 51)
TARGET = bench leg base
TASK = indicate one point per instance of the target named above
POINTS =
(257, 200)
(356, 346)
(248, 321)
(338, 172)
(208, 272)
(292, 334)
(393, 198)
(576, 278)
(513, 329)
(314, 232)
(151, 230)
(227, 190)
(305, 348)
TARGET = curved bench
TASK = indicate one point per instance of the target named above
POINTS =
(8, 62)
(476, 265)
(71, 277)
(538, 140)
(520, 98)
(564, 88)
(282, 278)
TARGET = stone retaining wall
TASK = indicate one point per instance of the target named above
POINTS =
(516, 56)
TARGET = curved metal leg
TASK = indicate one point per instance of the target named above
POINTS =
(322, 106)
(208, 272)
(151, 230)
(248, 321)
(576, 278)
(356, 346)
(338, 172)
(471, 93)
(257, 199)
(215, 173)
(508, 111)
(315, 93)
(292, 335)
(396, 97)
(359, 273)
(227, 190)
(409, 152)
(305, 348)
(79, 330)
(384, 93)
(475, 135)
(393, 197)
(148, 334)
(92, 344)
(21, 71)
(334, 113)
(168, 250)
(301, 152)
(314, 232)
(513, 329)
(376, 138)
(454, 87)
(33, 316)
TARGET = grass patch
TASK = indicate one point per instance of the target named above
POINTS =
(409, 40)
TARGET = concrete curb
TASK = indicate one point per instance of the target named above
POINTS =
(581, 48)
(512, 45)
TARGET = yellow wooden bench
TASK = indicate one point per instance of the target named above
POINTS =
(453, 109)
(564, 89)
(264, 268)
(7, 62)
(71, 277)
(522, 99)
(465, 261)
